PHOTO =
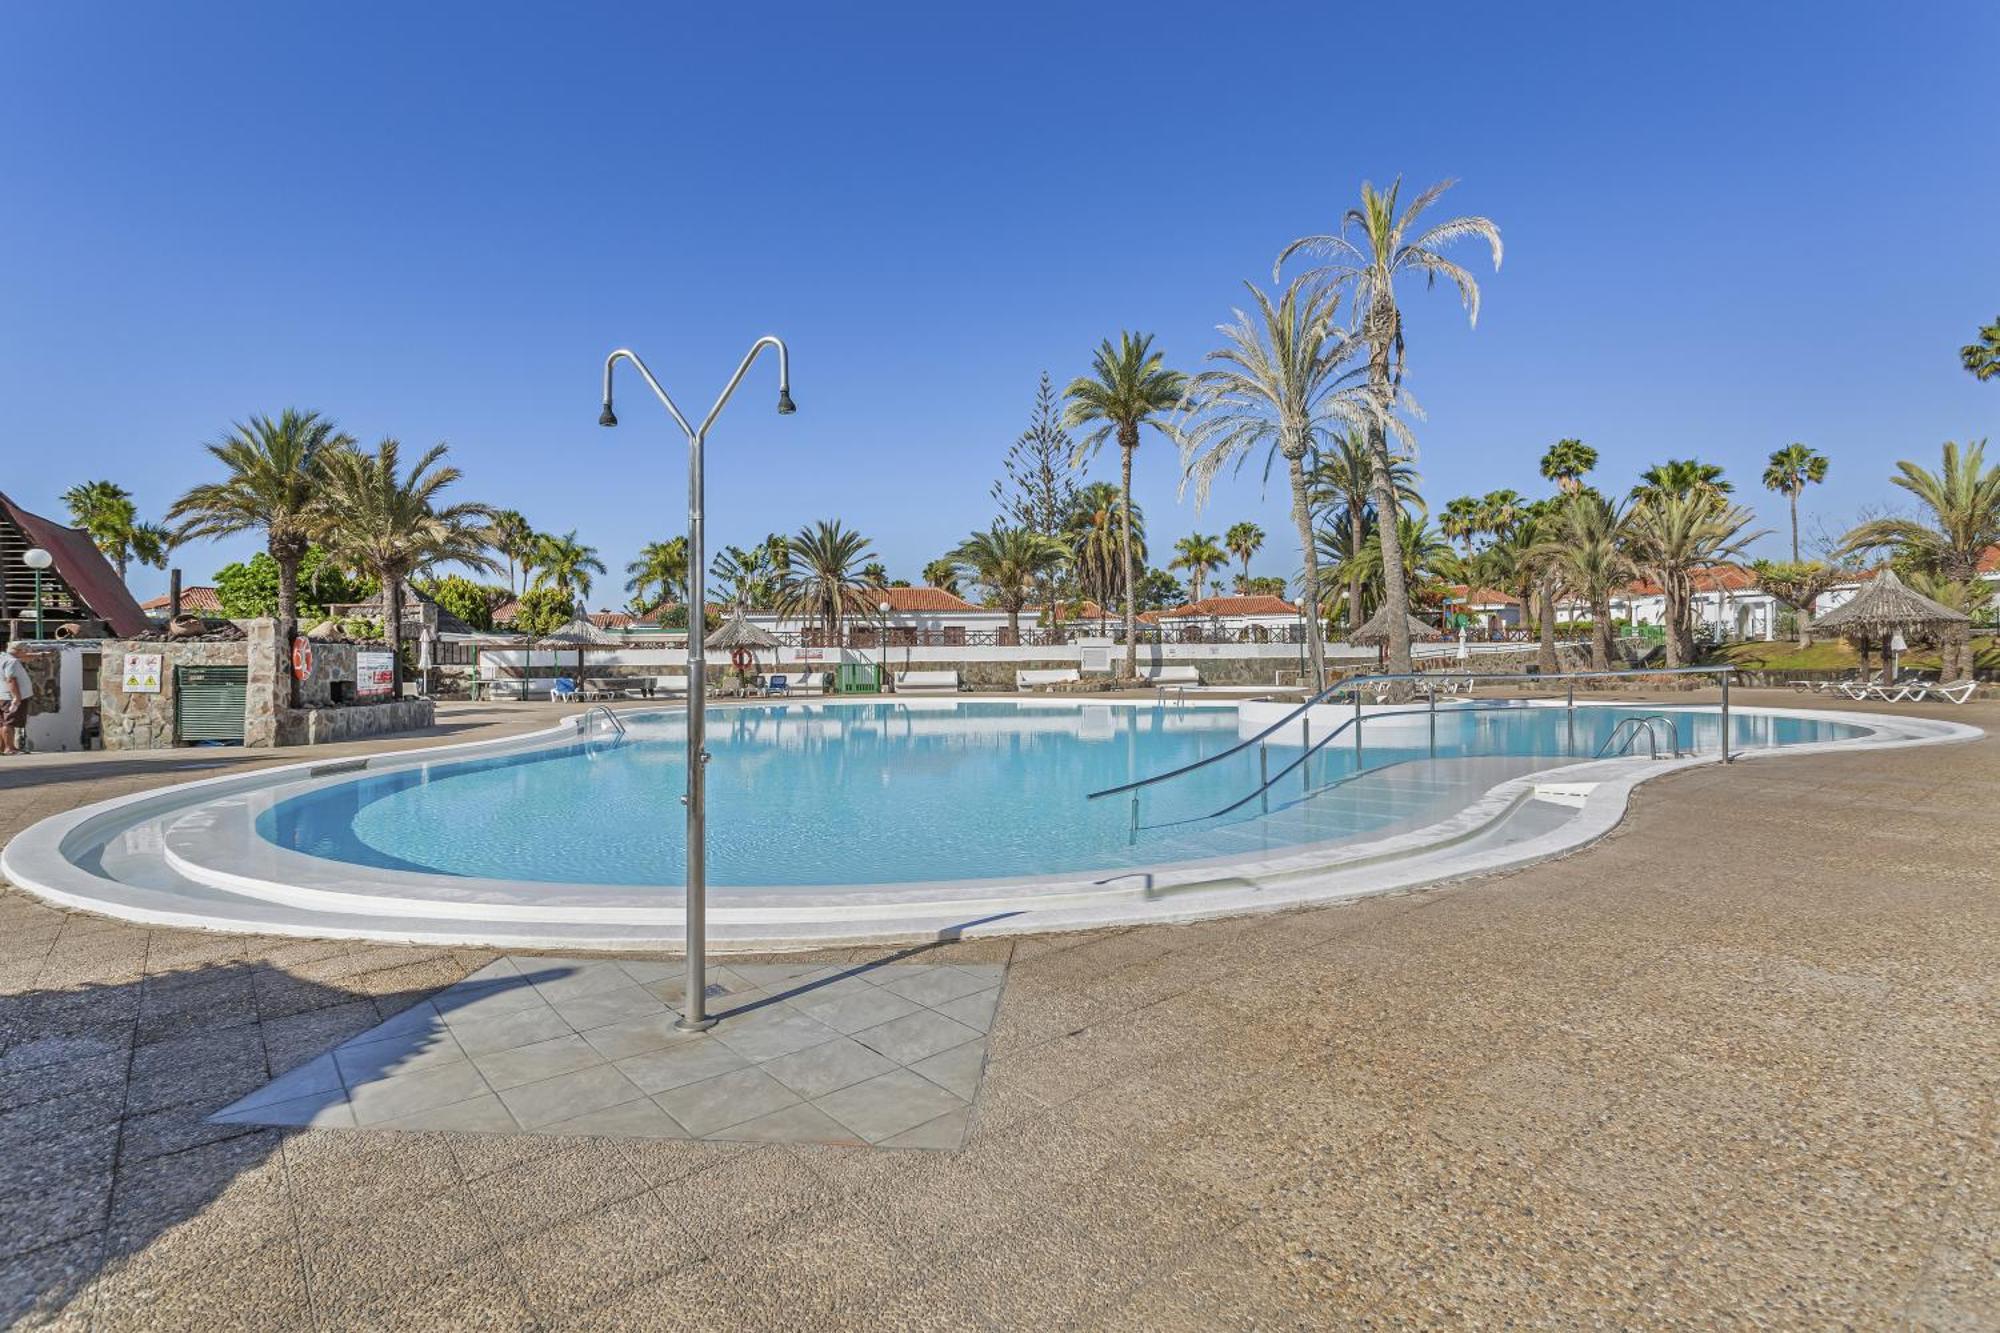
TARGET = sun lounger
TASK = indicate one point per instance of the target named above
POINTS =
(563, 690)
(1170, 675)
(1030, 677)
(774, 684)
(927, 682)
(1956, 693)
(600, 688)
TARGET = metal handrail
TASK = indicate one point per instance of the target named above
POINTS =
(1631, 728)
(1354, 682)
(605, 709)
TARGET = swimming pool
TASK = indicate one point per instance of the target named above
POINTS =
(884, 820)
(901, 792)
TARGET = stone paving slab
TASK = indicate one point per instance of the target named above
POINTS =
(857, 1055)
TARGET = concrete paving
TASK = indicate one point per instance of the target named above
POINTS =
(1736, 1064)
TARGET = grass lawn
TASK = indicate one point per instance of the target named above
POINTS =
(1785, 655)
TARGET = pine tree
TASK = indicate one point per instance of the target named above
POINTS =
(1037, 490)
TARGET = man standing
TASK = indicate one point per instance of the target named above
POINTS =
(15, 691)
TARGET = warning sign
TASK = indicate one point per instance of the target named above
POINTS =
(142, 673)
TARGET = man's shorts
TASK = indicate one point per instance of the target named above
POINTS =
(14, 713)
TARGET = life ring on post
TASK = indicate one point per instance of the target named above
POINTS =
(742, 659)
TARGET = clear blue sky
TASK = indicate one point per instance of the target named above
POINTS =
(1727, 227)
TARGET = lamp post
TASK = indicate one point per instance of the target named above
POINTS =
(882, 609)
(694, 1012)
(37, 559)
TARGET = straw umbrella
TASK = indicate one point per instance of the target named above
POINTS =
(579, 632)
(738, 633)
(1886, 611)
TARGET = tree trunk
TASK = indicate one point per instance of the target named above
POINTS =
(1302, 517)
(392, 630)
(1600, 634)
(1795, 527)
(1395, 592)
(288, 612)
(1358, 525)
(1545, 614)
(1676, 618)
(1128, 444)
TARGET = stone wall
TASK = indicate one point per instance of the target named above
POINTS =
(324, 726)
(146, 721)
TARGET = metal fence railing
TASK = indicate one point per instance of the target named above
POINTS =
(1353, 728)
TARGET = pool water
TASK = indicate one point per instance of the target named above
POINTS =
(887, 792)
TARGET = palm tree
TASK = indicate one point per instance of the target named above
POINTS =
(105, 510)
(1672, 535)
(875, 574)
(1343, 492)
(1369, 265)
(1582, 545)
(565, 564)
(392, 525)
(1461, 521)
(1963, 498)
(1500, 511)
(822, 586)
(1682, 476)
(1426, 556)
(1129, 387)
(1009, 562)
(273, 479)
(662, 566)
(1198, 554)
(1982, 359)
(1514, 561)
(1244, 540)
(1096, 537)
(515, 541)
(1566, 462)
(1789, 471)
(942, 573)
(1279, 387)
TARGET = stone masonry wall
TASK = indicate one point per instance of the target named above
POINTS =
(146, 721)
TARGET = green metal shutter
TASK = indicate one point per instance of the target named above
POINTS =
(208, 702)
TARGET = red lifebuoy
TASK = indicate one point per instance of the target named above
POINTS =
(742, 659)
(302, 657)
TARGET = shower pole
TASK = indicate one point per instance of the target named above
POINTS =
(694, 1008)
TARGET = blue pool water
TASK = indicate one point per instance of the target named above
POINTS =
(803, 794)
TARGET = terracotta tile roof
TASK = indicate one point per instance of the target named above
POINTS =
(1261, 604)
(612, 619)
(1463, 595)
(196, 597)
(1723, 578)
(1989, 560)
(921, 599)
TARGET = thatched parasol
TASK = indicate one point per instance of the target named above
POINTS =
(737, 633)
(1886, 610)
(1375, 631)
(579, 632)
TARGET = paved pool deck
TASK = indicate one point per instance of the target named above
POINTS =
(1735, 1064)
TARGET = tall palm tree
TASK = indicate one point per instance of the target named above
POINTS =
(1009, 562)
(516, 541)
(1673, 535)
(1198, 553)
(1566, 462)
(1343, 492)
(942, 573)
(1582, 545)
(1279, 385)
(1683, 476)
(105, 510)
(1426, 556)
(1500, 511)
(1460, 521)
(272, 484)
(1963, 498)
(1789, 471)
(565, 564)
(1982, 359)
(1368, 263)
(395, 526)
(1244, 540)
(823, 585)
(1099, 520)
(662, 566)
(1129, 387)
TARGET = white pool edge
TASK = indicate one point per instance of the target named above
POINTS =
(35, 861)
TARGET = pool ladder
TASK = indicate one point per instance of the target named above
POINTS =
(1626, 734)
(609, 716)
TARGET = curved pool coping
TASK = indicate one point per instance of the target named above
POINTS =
(291, 893)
